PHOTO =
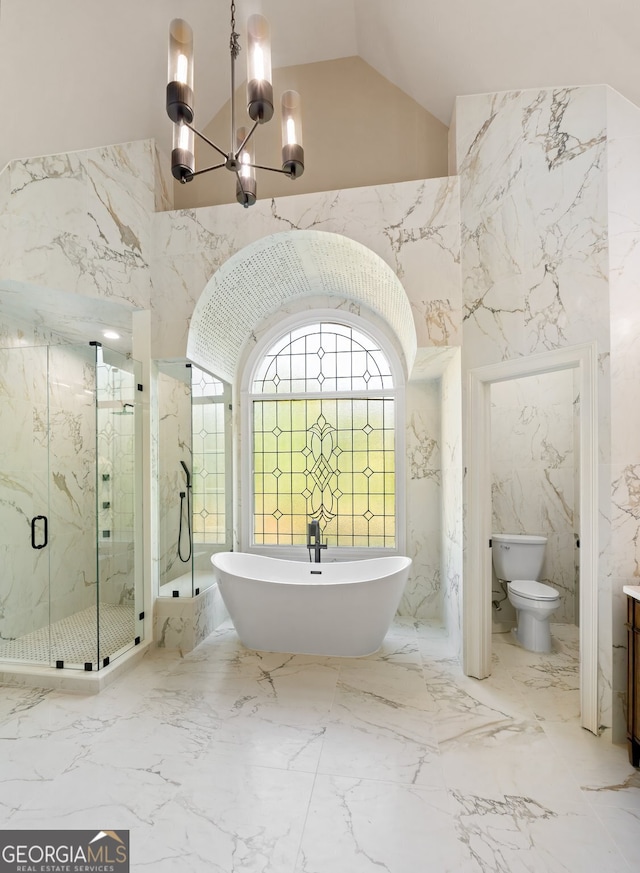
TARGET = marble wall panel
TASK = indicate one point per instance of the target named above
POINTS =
(533, 210)
(180, 279)
(423, 594)
(6, 219)
(82, 222)
(413, 226)
(174, 445)
(452, 485)
(565, 251)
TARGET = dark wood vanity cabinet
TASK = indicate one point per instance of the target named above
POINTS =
(633, 680)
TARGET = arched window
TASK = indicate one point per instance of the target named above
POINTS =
(322, 405)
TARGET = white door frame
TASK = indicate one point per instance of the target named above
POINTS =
(477, 579)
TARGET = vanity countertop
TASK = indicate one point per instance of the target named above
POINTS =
(632, 591)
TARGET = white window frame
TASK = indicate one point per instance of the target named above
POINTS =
(266, 341)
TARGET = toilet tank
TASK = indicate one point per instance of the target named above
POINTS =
(518, 556)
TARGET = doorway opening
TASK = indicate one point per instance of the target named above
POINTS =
(477, 597)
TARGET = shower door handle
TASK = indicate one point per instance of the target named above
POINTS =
(45, 531)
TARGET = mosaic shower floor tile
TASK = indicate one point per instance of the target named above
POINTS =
(75, 639)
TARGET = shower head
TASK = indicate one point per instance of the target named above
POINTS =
(186, 473)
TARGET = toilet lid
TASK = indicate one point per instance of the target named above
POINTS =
(533, 590)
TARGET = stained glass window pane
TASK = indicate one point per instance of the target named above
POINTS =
(204, 384)
(329, 462)
(323, 358)
(330, 458)
(208, 447)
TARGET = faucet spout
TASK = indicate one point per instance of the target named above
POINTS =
(314, 541)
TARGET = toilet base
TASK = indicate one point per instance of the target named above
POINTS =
(532, 634)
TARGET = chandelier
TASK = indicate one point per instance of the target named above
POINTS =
(239, 159)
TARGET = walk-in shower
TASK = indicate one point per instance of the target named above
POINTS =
(70, 525)
(193, 411)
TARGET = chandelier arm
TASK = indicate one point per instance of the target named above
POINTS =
(238, 151)
(271, 169)
(208, 141)
(207, 170)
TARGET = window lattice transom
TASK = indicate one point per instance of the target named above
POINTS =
(325, 358)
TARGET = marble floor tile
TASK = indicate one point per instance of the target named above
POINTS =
(36, 762)
(371, 737)
(520, 834)
(397, 649)
(623, 826)
(366, 826)
(602, 770)
(229, 817)
(394, 682)
(16, 704)
(233, 761)
(622, 793)
(272, 675)
(514, 761)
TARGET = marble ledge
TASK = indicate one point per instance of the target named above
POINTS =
(632, 591)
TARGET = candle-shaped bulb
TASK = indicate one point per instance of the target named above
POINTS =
(259, 87)
(246, 181)
(292, 151)
(180, 72)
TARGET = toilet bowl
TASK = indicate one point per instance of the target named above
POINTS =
(518, 560)
(535, 604)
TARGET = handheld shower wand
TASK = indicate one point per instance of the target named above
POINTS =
(186, 494)
(186, 473)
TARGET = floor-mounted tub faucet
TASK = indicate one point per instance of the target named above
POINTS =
(313, 540)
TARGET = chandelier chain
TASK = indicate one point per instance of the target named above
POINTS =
(234, 45)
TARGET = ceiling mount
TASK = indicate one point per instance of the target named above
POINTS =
(240, 157)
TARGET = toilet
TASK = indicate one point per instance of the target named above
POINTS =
(518, 560)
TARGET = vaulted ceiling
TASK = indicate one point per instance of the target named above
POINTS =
(82, 73)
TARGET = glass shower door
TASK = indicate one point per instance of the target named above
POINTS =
(24, 506)
(194, 475)
(72, 542)
(118, 490)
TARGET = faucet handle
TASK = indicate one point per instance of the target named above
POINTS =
(313, 528)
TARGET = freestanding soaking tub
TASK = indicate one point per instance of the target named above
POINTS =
(342, 609)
